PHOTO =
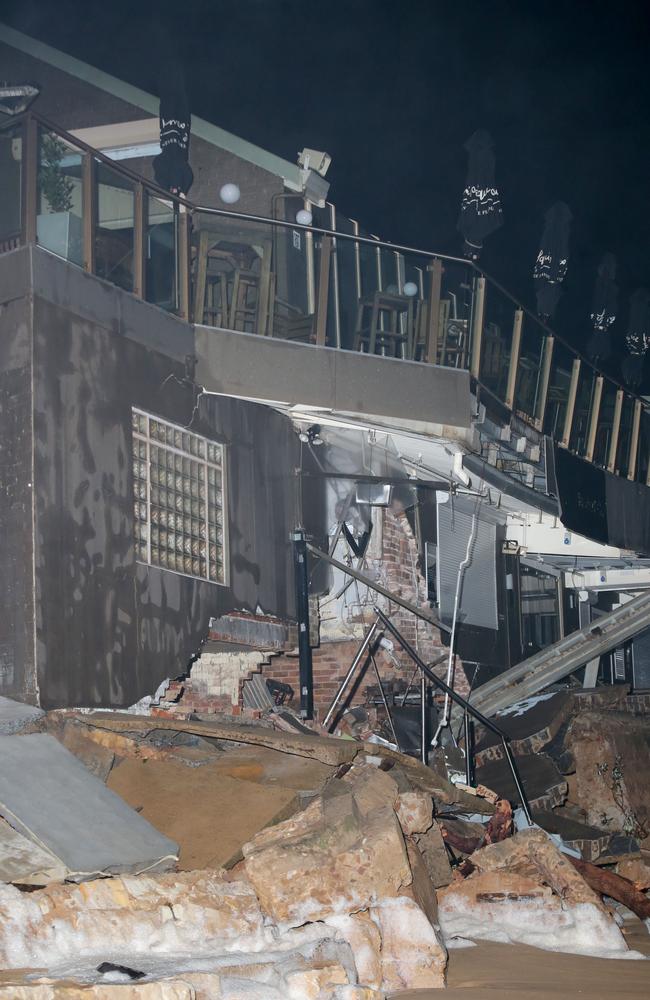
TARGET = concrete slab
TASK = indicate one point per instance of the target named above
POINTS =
(14, 715)
(51, 798)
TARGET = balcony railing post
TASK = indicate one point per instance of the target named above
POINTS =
(88, 210)
(593, 418)
(616, 426)
(139, 272)
(634, 440)
(513, 364)
(183, 251)
(30, 180)
(570, 403)
(544, 377)
(433, 313)
(322, 296)
(477, 325)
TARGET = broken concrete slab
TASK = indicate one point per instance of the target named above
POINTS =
(412, 953)
(434, 855)
(15, 716)
(327, 749)
(326, 860)
(97, 758)
(588, 840)
(51, 798)
(545, 787)
(530, 725)
(25, 863)
(209, 814)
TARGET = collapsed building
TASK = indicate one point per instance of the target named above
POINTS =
(260, 465)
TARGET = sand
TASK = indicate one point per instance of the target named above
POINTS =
(489, 970)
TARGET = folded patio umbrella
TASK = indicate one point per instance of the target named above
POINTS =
(603, 309)
(171, 166)
(552, 260)
(480, 210)
(637, 338)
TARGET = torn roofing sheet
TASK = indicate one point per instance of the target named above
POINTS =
(49, 796)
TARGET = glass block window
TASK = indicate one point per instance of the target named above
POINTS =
(179, 506)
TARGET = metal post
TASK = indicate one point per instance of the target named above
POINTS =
(513, 365)
(353, 666)
(634, 440)
(474, 712)
(469, 749)
(543, 382)
(593, 418)
(88, 201)
(616, 426)
(139, 228)
(477, 326)
(433, 313)
(570, 403)
(30, 180)
(302, 615)
(183, 268)
(322, 297)
(424, 748)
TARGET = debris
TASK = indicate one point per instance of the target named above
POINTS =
(637, 871)
(331, 858)
(524, 890)
(431, 847)
(610, 884)
(231, 810)
(544, 785)
(323, 748)
(15, 716)
(50, 798)
(25, 863)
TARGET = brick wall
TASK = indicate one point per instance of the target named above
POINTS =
(214, 683)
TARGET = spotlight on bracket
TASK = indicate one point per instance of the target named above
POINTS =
(311, 435)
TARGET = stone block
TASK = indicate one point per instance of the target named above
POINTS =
(412, 953)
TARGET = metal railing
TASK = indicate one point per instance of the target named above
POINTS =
(326, 284)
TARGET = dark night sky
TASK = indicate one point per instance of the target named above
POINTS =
(392, 89)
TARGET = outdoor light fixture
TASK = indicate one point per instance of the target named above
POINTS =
(16, 99)
(311, 436)
(304, 217)
(410, 289)
(315, 165)
(230, 193)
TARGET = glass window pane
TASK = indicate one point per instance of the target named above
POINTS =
(161, 249)
(643, 463)
(178, 499)
(456, 297)
(114, 230)
(10, 187)
(348, 281)
(59, 226)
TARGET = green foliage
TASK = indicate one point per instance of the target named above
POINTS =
(55, 186)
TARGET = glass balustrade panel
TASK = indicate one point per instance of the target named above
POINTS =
(605, 424)
(59, 205)
(161, 248)
(114, 228)
(496, 342)
(582, 409)
(455, 316)
(643, 462)
(529, 369)
(624, 435)
(557, 396)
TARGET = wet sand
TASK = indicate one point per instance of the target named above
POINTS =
(492, 970)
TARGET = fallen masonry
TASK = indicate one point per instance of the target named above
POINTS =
(299, 866)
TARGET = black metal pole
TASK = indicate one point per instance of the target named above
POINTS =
(469, 749)
(302, 615)
(474, 712)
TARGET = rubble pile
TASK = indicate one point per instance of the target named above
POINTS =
(297, 866)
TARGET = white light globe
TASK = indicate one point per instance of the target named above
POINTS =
(410, 288)
(230, 193)
(304, 217)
